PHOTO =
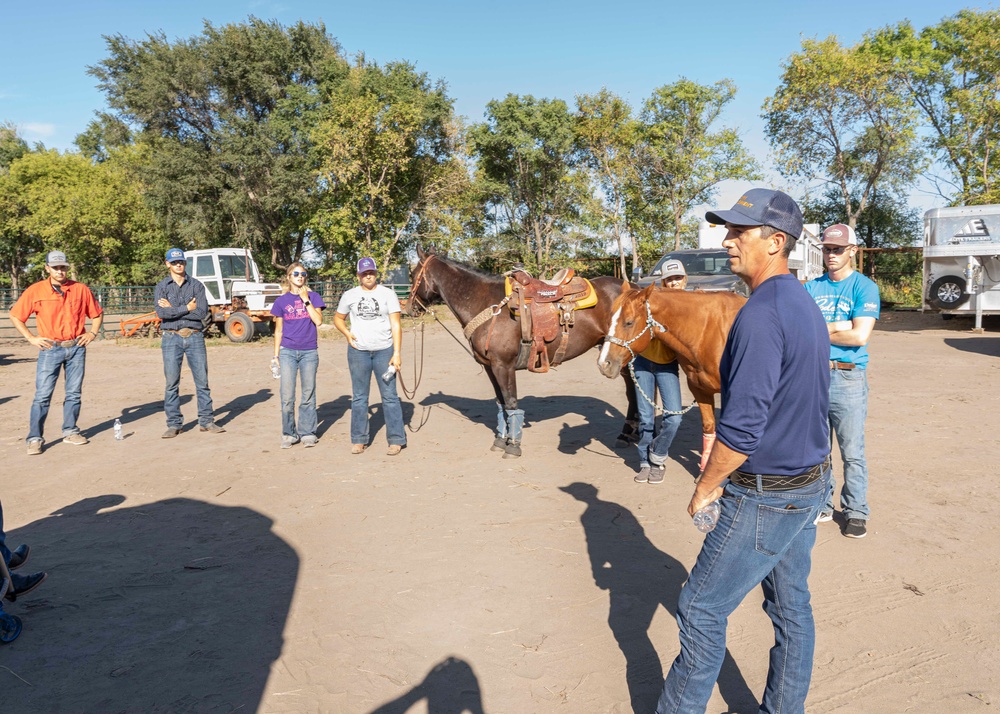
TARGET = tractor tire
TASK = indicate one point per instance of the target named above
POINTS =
(947, 293)
(239, 327)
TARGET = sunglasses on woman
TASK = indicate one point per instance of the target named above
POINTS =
(297, 274)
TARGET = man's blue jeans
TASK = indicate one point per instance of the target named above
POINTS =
(848, 412)
(304, 363)
(50, 362)
(363, 364)
(763, 537)
(174, 348)
(652, 377)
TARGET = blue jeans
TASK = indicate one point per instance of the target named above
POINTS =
(303, 362)
(763, 537)
(848, 412)
(363, 364)
(652, 377)
(174, 348)
(50, 362)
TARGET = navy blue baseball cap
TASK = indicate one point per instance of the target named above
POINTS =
(175, 254)
(763, 207)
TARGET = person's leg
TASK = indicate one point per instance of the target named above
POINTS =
(172, 349)
(288, 359)
(308, 364)
(197, 358)
(76, 367)
(359, 362)
(848, 413)
(754, 531)
(645, 384)
(669, 386)
(392, 410)
(46, 373)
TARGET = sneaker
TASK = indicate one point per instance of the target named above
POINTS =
(656, 473)
(357, 448)
(856, 528)
(34, 447)
(825, 517)
(394, 449)
(170, 433)
(643, 475)
(76, 439)
(24, 585)
(19, 556)
(309, 440)
(288, 441)
(212, 427)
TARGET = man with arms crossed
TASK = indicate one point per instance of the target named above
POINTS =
(61, 307)
(850, 305)
(769, 468)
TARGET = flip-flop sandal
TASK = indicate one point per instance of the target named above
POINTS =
(10, 627)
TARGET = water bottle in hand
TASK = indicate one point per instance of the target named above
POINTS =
(118, 430)
(275, 368)
(706, 518)
(389, 373)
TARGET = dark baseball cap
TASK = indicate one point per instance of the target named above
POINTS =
(763, 207)
(175, 254)
(839, 234)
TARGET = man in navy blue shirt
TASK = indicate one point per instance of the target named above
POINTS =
(181, 305)
(769, 468)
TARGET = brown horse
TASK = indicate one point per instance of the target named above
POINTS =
(468, 292)
(694, 325)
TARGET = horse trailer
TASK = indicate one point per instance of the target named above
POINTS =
(962, 261)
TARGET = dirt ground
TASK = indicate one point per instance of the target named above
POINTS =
(218, 573)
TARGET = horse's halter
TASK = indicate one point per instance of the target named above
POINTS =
(414, 300)
(627, 344)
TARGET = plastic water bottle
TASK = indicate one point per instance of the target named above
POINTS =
(275, 368)
(706, 518)
(389, 373)
(118, 430)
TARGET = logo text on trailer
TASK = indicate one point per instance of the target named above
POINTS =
(975, 229)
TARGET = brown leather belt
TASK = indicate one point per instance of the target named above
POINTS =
(184, 331)
(842, 365)
(779, 483)
(64, 343)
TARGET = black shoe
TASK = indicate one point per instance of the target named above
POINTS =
(855, 528)
(24, 585)
(19, 556)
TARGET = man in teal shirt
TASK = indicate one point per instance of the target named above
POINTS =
(850, 305)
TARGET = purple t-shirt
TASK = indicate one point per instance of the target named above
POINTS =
(297, 329)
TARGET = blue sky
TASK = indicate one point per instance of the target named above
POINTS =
(482, 50)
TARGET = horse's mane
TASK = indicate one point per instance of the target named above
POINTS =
(465, 266)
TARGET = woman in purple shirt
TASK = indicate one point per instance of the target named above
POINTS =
(297, 314)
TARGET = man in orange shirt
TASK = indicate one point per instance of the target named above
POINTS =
(61, 307)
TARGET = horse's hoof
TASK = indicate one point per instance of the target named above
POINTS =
(512, 451)
(499, 443)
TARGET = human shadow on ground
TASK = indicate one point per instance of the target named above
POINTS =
(603, 421)
(130, 415)
(450, 687)
(239, 405)
(639, 579)
(177, 605)
(330, 413)
(4, 400)
(989, 346)
(376, 418)
(6, 359)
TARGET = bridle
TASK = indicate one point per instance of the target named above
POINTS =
(651, 323)
(413, 299)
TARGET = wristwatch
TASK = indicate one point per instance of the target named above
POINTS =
(307, 303)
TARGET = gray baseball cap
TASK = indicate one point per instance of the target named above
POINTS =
(56, 257)
(673, 269)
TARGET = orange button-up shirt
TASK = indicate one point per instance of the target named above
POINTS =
(58, 317)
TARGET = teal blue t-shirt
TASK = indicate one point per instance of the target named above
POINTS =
(854, 296)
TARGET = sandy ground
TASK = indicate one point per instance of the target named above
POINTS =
(218, 573)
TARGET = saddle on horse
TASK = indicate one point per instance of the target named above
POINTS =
(545, 309)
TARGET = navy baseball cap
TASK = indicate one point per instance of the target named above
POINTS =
(763, 207)
(175, 254)
(366, 264)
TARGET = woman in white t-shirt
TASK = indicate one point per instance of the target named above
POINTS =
(373, 341)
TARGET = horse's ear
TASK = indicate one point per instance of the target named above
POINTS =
(626, 285)
(420, 254)
(648, 291)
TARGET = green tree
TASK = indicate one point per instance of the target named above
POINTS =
(389, 172)
(951, 71)
(16, 246)
(683, 157)
(228, 118)
(839, 116)
(531, 191)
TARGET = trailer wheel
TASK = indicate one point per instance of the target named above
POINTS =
(948, 293)
(239, 327)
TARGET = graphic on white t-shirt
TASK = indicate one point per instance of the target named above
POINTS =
(367, 308)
